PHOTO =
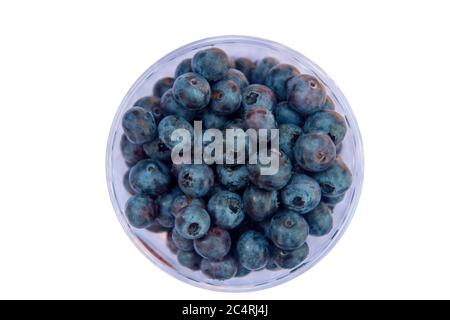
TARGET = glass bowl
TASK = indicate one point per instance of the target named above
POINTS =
(152, 242)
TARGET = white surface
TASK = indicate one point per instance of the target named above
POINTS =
(64, 68)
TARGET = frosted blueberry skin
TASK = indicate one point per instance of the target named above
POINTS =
(212, 64)
(277, 79)
(257, 117)
(162, 85)
(164, 202)
(245, 65)
(332, 201)
(189, 259)
(252, 250)
(259, 204)
(181, 202)
(195, 180)
(139, 125)
(152, 104)
(271, 182)
(211, 120)
(315, 152)
(150, 177)
(168, 125)
(285, 115)
(140, 211)
(132, 153)
(306, 94)
(193, 222)
(214, 245)
(157, 150)
(289, 134)
(237, 77)
(234, 178)
(181, 243)
(223, 269)
(226, 209)
(319, 220)
(335, 180)
(328, 122)
(329, 104)
(288, 230)
(301, 195)
(183, 67)
(170, 244)
(258, 95)
(290, 259)
(225, 97)
(170, 107)
(262, 68)
(192, 91)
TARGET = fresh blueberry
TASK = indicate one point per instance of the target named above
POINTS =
(226, 209)
(211, 120)
(170, 244)
(262, 68)
(335, 180)
(150, 177)
(132, 153)
(157, 150)
(213, 64)
(234, 178)
(165, 217)
(192, 91)
(329, 104)
(257, 117)
(183, 67)
(332, 201)
(328, 122)
(271, 264)
(214, 245)
(289, 134)
(189, 259)
(285, 115)
(181, 202)
(277, 78)
(245, 65)
(301, 195)
(193, 222)
(162, 85)
(290, 259)
(258, 95)
(259, 204)
(139, 125)
(181, 243)
(140, 211)
(319, 220)
(168, 125)
(252, 250)
(288, 230)
(196, 179)
(219, 270)
(264, 227)
(225, 97)
(169, 106)
(152, 104)
(237, 77)
(314, 152)
(273, 181)
(126, 183)
(306, 94)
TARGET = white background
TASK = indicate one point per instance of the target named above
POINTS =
(65, 66)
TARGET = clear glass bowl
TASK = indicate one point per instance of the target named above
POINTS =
(153, 244)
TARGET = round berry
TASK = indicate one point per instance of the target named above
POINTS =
(192, 223)
(213, 64)
(288, 230)
(139, 125)
(196, 179)
(288, 259)
(226, 209)
(225, 97)
(314, 152)
(260, 204)
(192, 91)
(214, 245)
(150, 177)
(219, 270)
(140, 211)
(301, 195)
(306, 94)
(328, 122)
(319, 220)
(252, 250)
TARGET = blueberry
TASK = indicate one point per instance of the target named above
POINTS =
(234, 178)
(192, 91)
(189, 259)
(126, 183)
(193, 222)
(288, 230)
(285, 115)
(301, 195)
(170, 244)
(245, 65)
(211, 120)
(181, 202)
(169, 106)
(168, 125)
(214, 245)
(332, 201)
(329, 104)
(220, 270)
(213, 64)
(139, 125)
(319, 220)
(181, 243)
(257, 117)
(277, 78)
(150, 177)
(271, 264)
(196, 179)
(314, 152)
(157, 150)
(165, 217)
(262, 68)
(258, 95)
(162, 85)
(252, 250)
(291, 259)
(225, 97)
(328, 122)
(241, 271)
(274, 181)
(335, 180)
(183, 67)
(306, 94)
(237, 77)
(152, 104)
(226, 209)
(140, 211)
(264, 227)
(259, 204)
(132, 153)
(289, 134)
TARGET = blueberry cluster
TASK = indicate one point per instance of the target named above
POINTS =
(230, 220)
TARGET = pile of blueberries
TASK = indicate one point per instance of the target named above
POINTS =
(230, 220)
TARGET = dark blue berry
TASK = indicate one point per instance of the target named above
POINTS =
(233, 178)
(183, 67)
(259, 204)
(139, 125)
(257, 117)
(319, 220)
(290, 259)
(196, 179)
(225, 97)
(157, 150)
(274, 181)
(245, 65)
(277, 78)
(335, 180)
(289, 134)
(328, 122)
(252, 250)
(314, 152)
(306, 94)
(288, 230)
(262, 68)
(181, 202)
(221, 269)
(226, 209)
(214, 245)
(150, 177)
(301, 195)
(237, 77)
(140, 211)
(213, 64)
(192, 91)
(189, 259)
(132, 153)
(285, 115)
(168, 125)
(181, 243)
(169, 106)
(162, 85)
(152, 104)
(193, 222)
(258, 95)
